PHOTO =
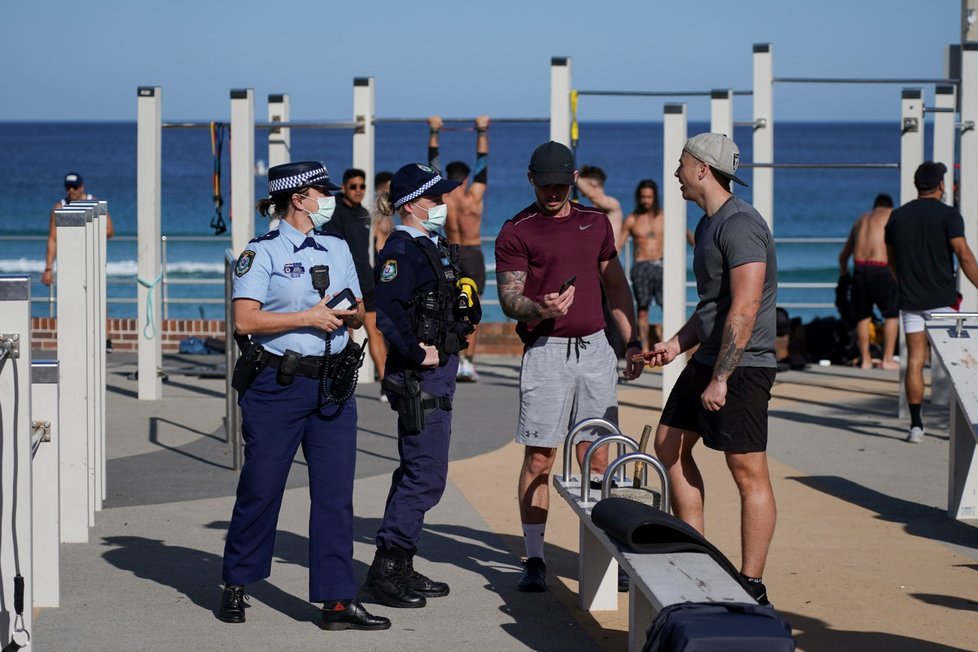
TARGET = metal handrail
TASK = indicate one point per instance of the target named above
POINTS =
(168, 280)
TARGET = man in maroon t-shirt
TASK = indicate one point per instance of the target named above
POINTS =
(551, 261)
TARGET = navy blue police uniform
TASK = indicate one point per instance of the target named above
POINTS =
(418, 302)
(284, 408)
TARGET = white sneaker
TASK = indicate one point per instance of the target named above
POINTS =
(916, 435)
(383, 397)
(465, 371)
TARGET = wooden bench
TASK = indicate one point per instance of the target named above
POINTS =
(656, 580)
(956, 347)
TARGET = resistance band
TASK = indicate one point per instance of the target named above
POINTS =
(217, 146)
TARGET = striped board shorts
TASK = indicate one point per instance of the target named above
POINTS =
(562, 381)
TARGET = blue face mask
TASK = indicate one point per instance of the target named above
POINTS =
(436, 217)
(325, 213)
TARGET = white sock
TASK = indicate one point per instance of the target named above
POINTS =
(533, 538)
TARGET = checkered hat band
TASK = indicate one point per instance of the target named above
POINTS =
(417, 193)
(297, 180)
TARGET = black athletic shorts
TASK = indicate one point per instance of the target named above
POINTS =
(874, 284)
(473, 264)
(740, 426)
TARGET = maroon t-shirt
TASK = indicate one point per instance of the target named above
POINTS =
(551, 250)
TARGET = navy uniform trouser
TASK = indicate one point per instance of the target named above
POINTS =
(419, 482)
(275, 421)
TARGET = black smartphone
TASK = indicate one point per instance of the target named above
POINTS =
(569, 282)
(343, 301)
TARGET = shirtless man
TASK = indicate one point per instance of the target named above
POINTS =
(74, 191)
(645, 227)
(464, 223)
(591, 184)
(872, 282)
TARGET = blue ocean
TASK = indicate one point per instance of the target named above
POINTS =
(809, 204)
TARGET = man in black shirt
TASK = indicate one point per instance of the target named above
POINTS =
(352, 221)
(922, 238)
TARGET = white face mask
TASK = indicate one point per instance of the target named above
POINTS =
(325, 213)
(436, 217)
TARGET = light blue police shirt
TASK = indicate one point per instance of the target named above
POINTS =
(274, 271)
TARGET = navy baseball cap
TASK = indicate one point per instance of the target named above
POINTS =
(929, 175)
(552, 164)
(292, 176)
(73, 180)
(416, 180)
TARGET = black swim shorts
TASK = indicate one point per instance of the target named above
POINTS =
(874, 284)
(740, 426)
(473, 264)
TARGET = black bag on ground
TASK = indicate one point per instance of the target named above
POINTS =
(645, 529)
(828, 338)
(718, 627)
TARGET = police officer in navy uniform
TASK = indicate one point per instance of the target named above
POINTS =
(293, 396)
(425, 317)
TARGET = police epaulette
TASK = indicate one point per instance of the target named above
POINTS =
(335, 235)
(271, 235)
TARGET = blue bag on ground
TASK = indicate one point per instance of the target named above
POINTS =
(718, 627)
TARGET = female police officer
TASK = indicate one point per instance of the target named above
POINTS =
(281, 295)
(425, 319)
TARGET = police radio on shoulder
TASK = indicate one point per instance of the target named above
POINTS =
(343, 301)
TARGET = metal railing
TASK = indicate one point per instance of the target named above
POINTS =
(169, 281)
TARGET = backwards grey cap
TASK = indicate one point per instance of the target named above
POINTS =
(717, 151)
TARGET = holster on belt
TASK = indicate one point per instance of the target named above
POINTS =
(248, 365)
(411, 403)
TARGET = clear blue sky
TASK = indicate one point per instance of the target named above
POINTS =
(63, 60)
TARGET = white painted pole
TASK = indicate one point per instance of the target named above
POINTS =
(100, 342)
(279, 138)
(91, 331)
(911, 140)
(15, 452)
(762, 179)
(945, 133)
(46, 485)
(364, 108)
(674, 127)
(73, 360)
(149, 163)
(721, 112)
(968, 151)
(242, 168)
(560, 88)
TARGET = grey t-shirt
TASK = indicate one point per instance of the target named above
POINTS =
(735, 235)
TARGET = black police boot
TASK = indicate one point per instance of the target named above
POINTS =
(350, 614)
(233, 601)
(421, 583)
(386, 583)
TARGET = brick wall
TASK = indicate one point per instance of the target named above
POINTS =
(494, 338)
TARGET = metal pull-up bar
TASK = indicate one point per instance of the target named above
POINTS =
(861, 80)
(656, 93)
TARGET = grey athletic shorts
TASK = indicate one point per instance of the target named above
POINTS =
(562, 381)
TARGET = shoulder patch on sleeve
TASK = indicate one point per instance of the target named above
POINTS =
(389, 271)
(245, 260)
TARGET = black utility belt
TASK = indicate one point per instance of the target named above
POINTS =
(309, 366)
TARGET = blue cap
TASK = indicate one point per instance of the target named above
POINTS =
(292, 176)
(416, 180)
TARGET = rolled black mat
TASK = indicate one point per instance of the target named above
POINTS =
(647, 530)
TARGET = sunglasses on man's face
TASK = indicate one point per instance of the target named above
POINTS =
(356, 186)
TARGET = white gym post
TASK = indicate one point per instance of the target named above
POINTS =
(721, 112)
(560, 88)
(968, 181)
(279, 138)
(15, 453)
(364, 98)
(73, 356)
(242, 168)
(674, 128)
(149, 175)
(46, 484)
(945, 133)
(762, 179)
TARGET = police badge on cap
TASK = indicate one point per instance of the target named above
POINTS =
(292, 176)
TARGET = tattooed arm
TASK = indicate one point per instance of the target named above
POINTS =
(521, 308)
(746, 289)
